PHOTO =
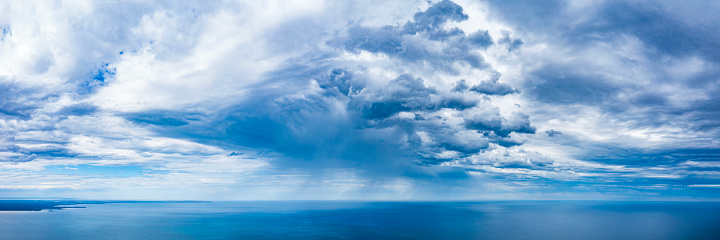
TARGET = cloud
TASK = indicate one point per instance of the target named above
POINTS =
(593, 56)
(512, 43)
(424, 40)
(79, 109)
(553, 133)
(11, 104)
(431, 21)
(328, 109)
(351, 99)
(493, 87)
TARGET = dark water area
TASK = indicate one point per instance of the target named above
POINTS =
(368, 220)
(42, 205)
(36, 205)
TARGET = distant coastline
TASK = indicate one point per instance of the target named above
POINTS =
(40, 205)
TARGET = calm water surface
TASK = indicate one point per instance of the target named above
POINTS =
(370, 220)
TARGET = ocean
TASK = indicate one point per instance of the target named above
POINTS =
(367, 220)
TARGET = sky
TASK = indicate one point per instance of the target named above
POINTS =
(360, 100)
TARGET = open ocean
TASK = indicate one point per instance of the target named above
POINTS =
(368, 220)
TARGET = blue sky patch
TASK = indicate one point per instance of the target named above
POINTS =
(92, 170)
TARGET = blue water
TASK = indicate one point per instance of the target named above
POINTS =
(369, 220)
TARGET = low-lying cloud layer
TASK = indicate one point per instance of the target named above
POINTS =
(359, 100)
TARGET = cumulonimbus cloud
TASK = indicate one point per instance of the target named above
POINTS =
(330, 108)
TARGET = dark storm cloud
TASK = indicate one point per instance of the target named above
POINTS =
(319, 113)
(415, 41)
(431, 20)
(460, 86)
(404, 93)
(346, 123)
(517, 122)
(493, 87)
(407, 93)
